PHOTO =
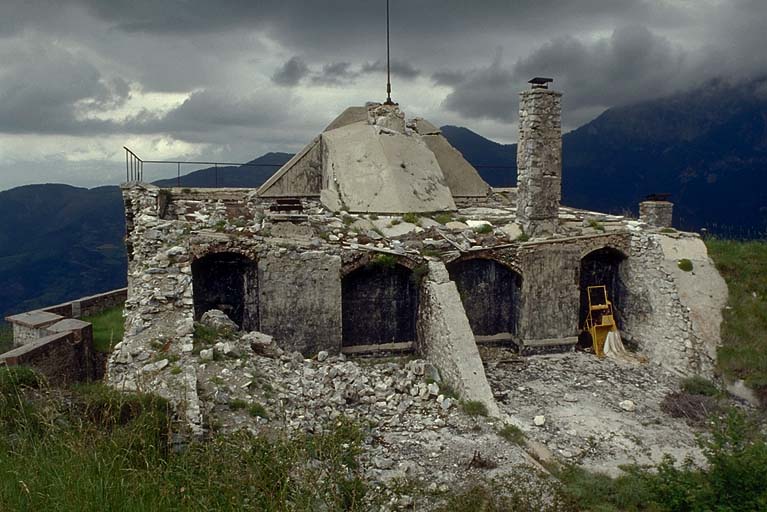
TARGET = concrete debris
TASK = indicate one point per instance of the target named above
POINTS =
(218, 320)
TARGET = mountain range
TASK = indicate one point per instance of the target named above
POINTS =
(707, 147)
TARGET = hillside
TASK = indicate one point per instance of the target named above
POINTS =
(59, 242)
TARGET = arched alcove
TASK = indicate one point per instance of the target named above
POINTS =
(491, 294)
(229, 282)
(379, 305)
(602, 267)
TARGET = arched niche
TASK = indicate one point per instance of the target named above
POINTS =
(379, 305)
(602, 267)
(491, 293)
(227, 281)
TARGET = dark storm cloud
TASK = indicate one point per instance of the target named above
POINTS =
(448, 77)
(399, 68)
(631, 65)
(290, 73)
(336, 73)
(46, 89)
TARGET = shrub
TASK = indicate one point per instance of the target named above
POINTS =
(513, 434)
(698, 385)
(257, 410)
(474, 408)
(483, 229)
(383, 260)
(443, 218)
(595, 224)
(684, 264)
(411, 218)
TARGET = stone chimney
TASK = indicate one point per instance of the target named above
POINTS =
(539, 158)
(656, 212)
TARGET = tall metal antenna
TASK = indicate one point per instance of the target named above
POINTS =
(388, 61)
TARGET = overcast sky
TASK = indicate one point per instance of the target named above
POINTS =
(230, 80)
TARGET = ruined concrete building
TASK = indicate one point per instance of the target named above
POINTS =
(380, 236)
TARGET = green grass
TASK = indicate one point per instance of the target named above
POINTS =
(412, 218)
(474, 408)
(736, 457)
(105, 450)
(512, 434)
(685, 265)
(6, 337)
(595, 224)
(107, 328)
(743, 354)
(699, 386)
(483, 229)
(443, 218)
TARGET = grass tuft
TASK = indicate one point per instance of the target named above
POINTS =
(685, 265)
(512, 434)
(474, 408)
(698, 385)
(483, 229)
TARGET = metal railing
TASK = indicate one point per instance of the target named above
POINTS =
(134, 166)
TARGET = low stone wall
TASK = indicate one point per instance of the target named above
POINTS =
(52, 356)
(445, 339)
(89, 306)
(61, 363)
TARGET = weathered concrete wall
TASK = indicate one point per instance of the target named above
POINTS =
(445, 339)
(657, 213)
(539, 161)
(300, 300)
(300, 176)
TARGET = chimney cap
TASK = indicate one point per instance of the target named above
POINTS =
(658, 196)
(540, 82)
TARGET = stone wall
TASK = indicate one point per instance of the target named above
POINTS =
(91, 305)
(300, 300)
(673, 316)
(445, 339)
(53, 356)
(539, 161)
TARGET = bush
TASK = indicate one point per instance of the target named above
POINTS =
(474, 408)
(684, 264)
(512, 434)
(698, 385)
(383, 260)
(734, 481)
(483, 229)
(411, 218)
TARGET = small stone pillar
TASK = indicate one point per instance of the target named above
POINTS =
(539, 159)
(656, 213)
